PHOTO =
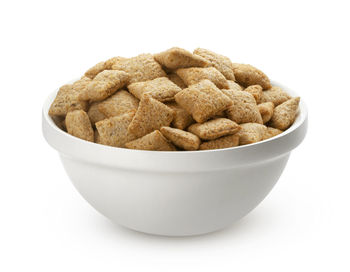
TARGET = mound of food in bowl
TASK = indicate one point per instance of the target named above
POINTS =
(173, 101)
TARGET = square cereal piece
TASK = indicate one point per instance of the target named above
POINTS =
(275, 95)
(251, 133)
(175, 58)
(271, 132)
(256, 91)
(177, 80)
(140, 68)
(78, 124)
(182, 119)
(97, 137)
(81, 84)
(220, 62)
(67, 99)
(152, 141)
(119, 103)
(284, 115)
(101, 66)
(59, 122)
(151, 115)
(114, 130)
(234, 86)
(194, 75)
(244, 108)
(223, 142)
(203, 100)
(266, 111)
(95, 114)
(180, 138)
(214, 129)
(247, 75)
(161, 88)
(104, 84)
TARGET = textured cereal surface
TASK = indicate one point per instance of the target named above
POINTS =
(214, 129)
(275, 95)
(220, 62)
(59, 122)
(251, 133)
(194, 75)
(67, 99)
(182, 119)
(256, 91)
(180, 138)
(223, 142)
(96, 69)
(151, 115)
(247, 75)
(152, 141)
(177, 80)
(95, 114)
(78, 124)
(266, 111)
(271, 132)
(119, 103)
(203, 100)
(162, 89)
(140, 68)
(244, 108)
(114, 130)
(175, 58)
(284, 115)
(234, 86)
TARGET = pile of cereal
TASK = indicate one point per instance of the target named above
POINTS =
(174, 100)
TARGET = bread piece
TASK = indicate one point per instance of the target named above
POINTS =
(78, 124)
(152, 141)
(275, 95)
(266, 111)
(223, 142)
(180, 138)
(251, 133)
(284, 115)
(247, 75)
(119, 103)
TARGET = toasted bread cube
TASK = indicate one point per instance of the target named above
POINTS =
(151, 115)
(223, 142)
(175, 58)
(247, 75)
(67, 99)
(162, 89)
(95, 114)
(256, 91)
(251, 133)
(140, 68)
(275, 95)
(180, 138)
(244, 108)
(118, 103)
(284, 115)
(234, 86)
(78, 124)
(152, 141)
(182, 119)
(177, 80)
(266, 111)
(203, 100)
(214, 129)
(114, 130)
(220, 62)
(271, 132)
(194, 75)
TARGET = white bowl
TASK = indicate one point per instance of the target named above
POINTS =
(174, 193)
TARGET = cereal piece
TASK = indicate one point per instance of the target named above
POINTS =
(78, 124)
(203, 100)
(234, 86)
(119, 103)
(244, 108)
(180, 138)
(177, 80)
(97, 137)
(175, 58)
(101, 66)
(214, 129)
(110, 62)
(81, 84)
(95, 114)
(140, 68)
(151, 115)
(162, 89)
(271, 132)
(114, 130)
(182, 119)
(247, 75)
(104, 84)
(66, 100)
(256, 91)
(275, 95)
(266, 111)
(223, 142)
(194, 75)
(152, 141)
(251, 133)
(220, 62)
(59, 122)
(284, 115)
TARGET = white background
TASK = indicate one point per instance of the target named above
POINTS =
(303, 225)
